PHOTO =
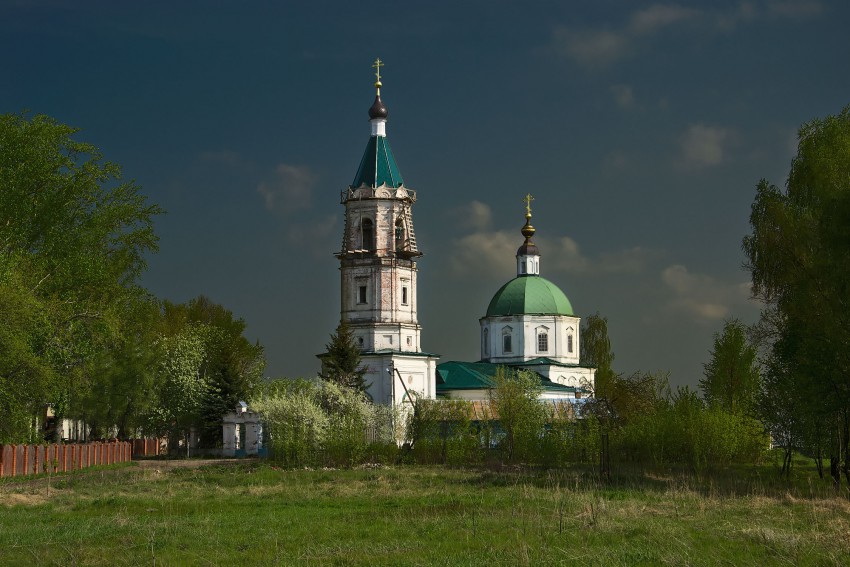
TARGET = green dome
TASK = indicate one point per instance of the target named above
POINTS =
(525, 295)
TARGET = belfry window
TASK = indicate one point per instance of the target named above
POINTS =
(367, 234)
(399, 235)
(404, 295)
(361, 294)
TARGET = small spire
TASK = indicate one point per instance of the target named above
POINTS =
(528, 199)
(528, 230)
(378, 110)
(377, 65)
(528, 256)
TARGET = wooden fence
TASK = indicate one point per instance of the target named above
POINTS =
(148, 447)
(20, 460)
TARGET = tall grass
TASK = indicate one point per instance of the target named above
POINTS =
(421, 515)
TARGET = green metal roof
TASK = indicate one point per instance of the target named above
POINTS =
(378, 166)
(545, 361)
(525, 295)
(454, 375)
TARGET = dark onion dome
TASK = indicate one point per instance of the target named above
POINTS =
(528, 249)
(378, 110)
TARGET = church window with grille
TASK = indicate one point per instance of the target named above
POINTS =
(542, 341)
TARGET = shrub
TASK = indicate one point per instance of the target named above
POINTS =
(442, 432)
(522, 417)
(325, 423)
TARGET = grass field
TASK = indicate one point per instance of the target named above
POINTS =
(254, 514)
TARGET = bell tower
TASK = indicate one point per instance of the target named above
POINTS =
(377, 265)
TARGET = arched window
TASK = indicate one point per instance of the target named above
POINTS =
(367, 234)
(542, 340)
(485, 336)
(507, 340)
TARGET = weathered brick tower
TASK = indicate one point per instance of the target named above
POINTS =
(378, 271)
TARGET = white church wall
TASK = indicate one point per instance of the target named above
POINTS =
(524, 331)
(384, 373)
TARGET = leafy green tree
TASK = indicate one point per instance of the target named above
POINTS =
(799, 257)
(522, 416)
(731, 375)
(341, 362)
(123, 383)
(27, 380)
(183, 385)
(74, 238)
(596, 352)
(230, 369)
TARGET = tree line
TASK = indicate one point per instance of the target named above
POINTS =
(80, 335)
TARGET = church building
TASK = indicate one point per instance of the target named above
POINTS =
(529, 323)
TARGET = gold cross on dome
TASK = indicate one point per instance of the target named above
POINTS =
(377, 65)
(528, 199)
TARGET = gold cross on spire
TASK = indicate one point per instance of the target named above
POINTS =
(377, 65)
(528, 199)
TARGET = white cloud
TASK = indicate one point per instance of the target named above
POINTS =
(485, 254)
(474, 215)
(630, 260)
(745, 12)
(591, 47)
(491, 253)
(290, 189)
(704, 146)
(600, 47)
(658, 16)
(702, 296)
(318, 235)
(564, 255)
(795, 8)
(624, 95)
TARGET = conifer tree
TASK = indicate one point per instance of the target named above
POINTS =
(341, 363)
(731, 376)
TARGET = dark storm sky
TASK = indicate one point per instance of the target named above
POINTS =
(640, 128)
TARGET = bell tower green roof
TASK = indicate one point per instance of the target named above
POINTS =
(527, 295)
(378, 166)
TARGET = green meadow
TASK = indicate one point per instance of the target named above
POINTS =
(251, 513)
